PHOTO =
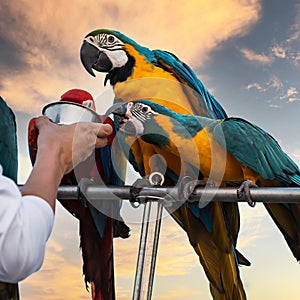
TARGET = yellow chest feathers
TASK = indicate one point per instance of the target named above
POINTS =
(148, 81)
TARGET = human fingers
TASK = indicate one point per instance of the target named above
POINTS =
(42, 121)
(101, 142)
(104, 130)
(47, 131)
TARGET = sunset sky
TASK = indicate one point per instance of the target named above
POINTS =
(246, 52)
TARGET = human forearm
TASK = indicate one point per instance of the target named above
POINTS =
(45, 176)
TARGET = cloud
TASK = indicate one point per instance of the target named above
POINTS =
(282, 51)
(289, 49)
(274, 106)
(279, 51)
(181, 293)
(274, 83)
(296, 25)
(291, 95)
(286, 50)
(57, 280)
(256, 57)
(251, 226)
(296, 156)
(42, 40)
(255, 86)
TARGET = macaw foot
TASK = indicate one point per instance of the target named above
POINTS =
(120, 229)
(188, 185)
(244, 191)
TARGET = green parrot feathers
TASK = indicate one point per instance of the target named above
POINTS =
(8, 142)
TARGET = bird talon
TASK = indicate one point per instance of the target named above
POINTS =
(243, 192)
(188, 186)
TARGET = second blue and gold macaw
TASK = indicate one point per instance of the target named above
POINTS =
(250, 154)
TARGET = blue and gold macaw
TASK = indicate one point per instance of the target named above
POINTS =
(136, 72)
(250, 154)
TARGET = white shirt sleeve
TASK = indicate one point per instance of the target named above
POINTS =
(25, 226)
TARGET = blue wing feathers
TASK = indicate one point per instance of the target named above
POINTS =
(100, 220)
(257, 150)
(186, 75)
(106, 158)
(296, 179)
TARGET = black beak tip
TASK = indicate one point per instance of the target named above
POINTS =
(92, 73)
(119, 109)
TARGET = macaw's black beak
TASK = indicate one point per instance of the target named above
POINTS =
(92, 58)
(118, 109)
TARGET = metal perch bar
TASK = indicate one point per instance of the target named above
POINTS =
(264, 194)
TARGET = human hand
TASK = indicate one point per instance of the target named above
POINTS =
(70, 143)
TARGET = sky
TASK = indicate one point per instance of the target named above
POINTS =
(247, 53)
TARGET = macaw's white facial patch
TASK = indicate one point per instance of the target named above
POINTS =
(118, 58)
(132, 126)
(139, 127)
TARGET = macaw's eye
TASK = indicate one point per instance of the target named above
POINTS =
(110, 39)
(145, 109)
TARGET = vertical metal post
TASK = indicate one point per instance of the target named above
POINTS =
(146, 261)
(149, 239)
(159, 210)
